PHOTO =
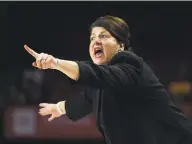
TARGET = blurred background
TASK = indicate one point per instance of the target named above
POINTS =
(161, 34)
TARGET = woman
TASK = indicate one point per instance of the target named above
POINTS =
(128, 101)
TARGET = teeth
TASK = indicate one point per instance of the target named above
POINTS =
(97, 49)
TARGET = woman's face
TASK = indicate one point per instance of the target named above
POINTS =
(103, 46)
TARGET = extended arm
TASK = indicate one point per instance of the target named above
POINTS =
(121, 74)
(124, 72)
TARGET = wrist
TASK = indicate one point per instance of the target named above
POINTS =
(56, 64)
(60, 107)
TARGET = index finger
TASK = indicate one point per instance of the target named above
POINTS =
(31, 52)
(43, 104)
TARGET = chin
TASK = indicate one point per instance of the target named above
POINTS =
(99, 62)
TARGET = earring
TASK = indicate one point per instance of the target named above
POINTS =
(120, 50)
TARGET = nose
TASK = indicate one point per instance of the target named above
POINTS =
(97, 41)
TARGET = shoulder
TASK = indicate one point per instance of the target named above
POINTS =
(127, 57)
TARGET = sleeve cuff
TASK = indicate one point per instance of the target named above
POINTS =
(69, 111)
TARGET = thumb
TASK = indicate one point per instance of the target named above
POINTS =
(34, 64)
(51, 118)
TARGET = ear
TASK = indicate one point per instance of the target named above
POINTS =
(121, 46)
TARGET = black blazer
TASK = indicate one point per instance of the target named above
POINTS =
(129, 102)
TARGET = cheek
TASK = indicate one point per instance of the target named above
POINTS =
(90, 52)
(90, 48)
(110, 49)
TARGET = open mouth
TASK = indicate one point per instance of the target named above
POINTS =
(98, 52)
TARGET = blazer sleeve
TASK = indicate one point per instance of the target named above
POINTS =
(78, 107)
(121, 74)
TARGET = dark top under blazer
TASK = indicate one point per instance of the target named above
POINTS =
(129, 101)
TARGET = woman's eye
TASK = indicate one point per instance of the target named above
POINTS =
(103, 36)
(92, 38)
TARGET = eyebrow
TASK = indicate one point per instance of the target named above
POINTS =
(100, 33)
